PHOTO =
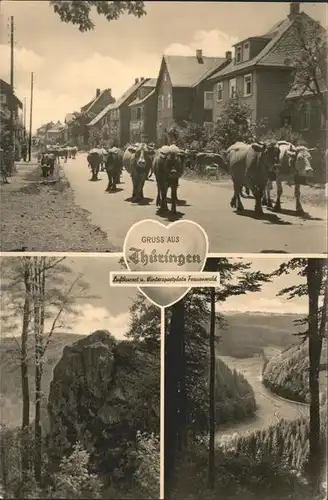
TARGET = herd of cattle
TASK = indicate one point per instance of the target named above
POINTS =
(251, 166)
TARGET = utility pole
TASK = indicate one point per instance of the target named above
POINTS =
(31, 110)
(24, 119)
(12, 101)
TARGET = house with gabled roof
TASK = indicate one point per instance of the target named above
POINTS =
(117, 116)
(183, 91)
(102, 99)
(143, 113)
(261, 72)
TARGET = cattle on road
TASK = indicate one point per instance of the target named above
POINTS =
(168, 167)
(295, 161)
(137, 161)
(113, 167)
(95, 158)
(251, 165)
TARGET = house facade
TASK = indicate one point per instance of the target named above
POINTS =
(184, 92)
(6, 97)
(306, 116)
(143, 113)
(115, 117)
(261, 72)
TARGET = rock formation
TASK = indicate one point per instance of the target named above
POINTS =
(102, 392)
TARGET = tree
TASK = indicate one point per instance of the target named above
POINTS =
(310, 66)
(315, 271)
(79, 13)
(39, 294)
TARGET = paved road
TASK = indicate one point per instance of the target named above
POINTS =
(270, 408)
(205, 203)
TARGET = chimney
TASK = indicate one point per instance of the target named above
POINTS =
(228, 55)
(199, 55)
(109, 91)
(141, 78)
(97, 92)
(136, 80)
(294, 9)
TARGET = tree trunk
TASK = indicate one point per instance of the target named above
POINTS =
(314, 280)
(24, 369)
(181, 369)
(172, 395)
(211, 450)
(38, 367)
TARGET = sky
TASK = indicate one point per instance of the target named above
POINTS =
(109, 306)
(69, 66)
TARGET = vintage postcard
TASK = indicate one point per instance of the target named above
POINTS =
(163, 320)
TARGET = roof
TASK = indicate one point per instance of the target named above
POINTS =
(92, 103)
(298, 91)
(277, 52)
(186, 71)
(151, 82)
(117, 104)
(141, 101)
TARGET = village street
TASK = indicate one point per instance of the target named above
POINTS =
(207, 203)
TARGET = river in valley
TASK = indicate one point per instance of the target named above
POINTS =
(270, 408)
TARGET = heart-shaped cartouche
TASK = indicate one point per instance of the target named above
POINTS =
(150, 246)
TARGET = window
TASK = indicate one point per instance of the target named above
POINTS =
(139, 113)
(3, 99)
(208, 100)
(247, 85)
(238, 54)
(160, 103)
(219, 90)
(305, 116)
(165, 76)
(169, 101)
(246, 52)
(232, 87)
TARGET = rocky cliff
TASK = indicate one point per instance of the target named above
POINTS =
(102, 392)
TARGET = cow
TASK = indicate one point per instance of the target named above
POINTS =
(48, 161)
(137, 161)
(113, 167)
(251, 165)
(205, 159)
(73, 152)
(295, 161)
(95, 158)
(168, 167)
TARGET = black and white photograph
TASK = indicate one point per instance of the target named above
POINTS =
(79, 382)
(114, 112)
(246, 405)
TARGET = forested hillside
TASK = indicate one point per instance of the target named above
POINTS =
(288, 374)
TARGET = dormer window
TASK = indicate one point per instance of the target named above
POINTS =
(238, 54)
(246, 52)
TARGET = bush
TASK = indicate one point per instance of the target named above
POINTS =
(147, 474)
(284, 134)
(74, 479)
(238, 477)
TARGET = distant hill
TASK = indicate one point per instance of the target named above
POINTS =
(248, 334)
(288, 374)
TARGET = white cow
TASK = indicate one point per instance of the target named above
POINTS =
(296, 160)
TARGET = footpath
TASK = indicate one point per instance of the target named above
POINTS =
(40, 215)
